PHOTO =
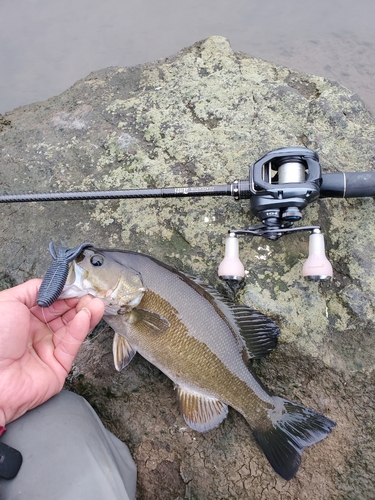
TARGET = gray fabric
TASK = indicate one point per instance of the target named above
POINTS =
(68, 455)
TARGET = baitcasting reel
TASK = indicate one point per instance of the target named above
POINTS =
(281, 184)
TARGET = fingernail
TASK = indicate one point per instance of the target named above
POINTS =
(88, 312)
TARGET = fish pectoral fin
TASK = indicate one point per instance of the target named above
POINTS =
(259, 332)
(147, 322)
(123, 352)
(201, 413)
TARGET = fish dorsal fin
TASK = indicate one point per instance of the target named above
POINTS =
(258, 331)
(123, 352)
(147, 322)
(200, 412)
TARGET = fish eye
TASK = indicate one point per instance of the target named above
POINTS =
(97, 260)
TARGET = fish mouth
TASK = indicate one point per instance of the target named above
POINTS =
(77, 285)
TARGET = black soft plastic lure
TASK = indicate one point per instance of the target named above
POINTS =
(57, 273)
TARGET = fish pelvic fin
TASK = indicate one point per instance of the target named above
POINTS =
(123, 352)
(201, 413)
(293, 428)
(259, 332)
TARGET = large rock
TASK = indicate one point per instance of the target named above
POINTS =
(201, 117)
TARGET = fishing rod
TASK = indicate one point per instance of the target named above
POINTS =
(280, 185)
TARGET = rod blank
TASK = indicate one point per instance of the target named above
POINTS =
(334, 185)
(178, 192)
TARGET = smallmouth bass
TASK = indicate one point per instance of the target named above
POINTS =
(201, 342)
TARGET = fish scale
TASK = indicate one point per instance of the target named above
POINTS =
(202, 343)
(205, 324)
(189, 362)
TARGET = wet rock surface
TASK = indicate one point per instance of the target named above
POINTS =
(200, 118)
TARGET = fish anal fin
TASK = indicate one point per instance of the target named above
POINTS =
(147, 322)
(258, 331)
(201, 413)
(292, 428)
(123, 352)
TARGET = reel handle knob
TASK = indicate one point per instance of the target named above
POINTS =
(317, 267)
(231, 268)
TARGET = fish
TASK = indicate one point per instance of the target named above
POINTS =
(200, 340)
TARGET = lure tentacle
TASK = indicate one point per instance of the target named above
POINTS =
(57, 273)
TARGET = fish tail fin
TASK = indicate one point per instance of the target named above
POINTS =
(293, 427)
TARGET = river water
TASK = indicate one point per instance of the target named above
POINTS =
(46, 46)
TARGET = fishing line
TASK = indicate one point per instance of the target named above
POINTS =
(85, 342)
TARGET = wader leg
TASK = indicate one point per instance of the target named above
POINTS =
(67, 454)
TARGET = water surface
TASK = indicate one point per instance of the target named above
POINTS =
(47, 46)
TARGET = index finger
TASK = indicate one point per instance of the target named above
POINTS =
(55, 310)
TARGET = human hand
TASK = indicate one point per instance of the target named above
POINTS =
(34, 362)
